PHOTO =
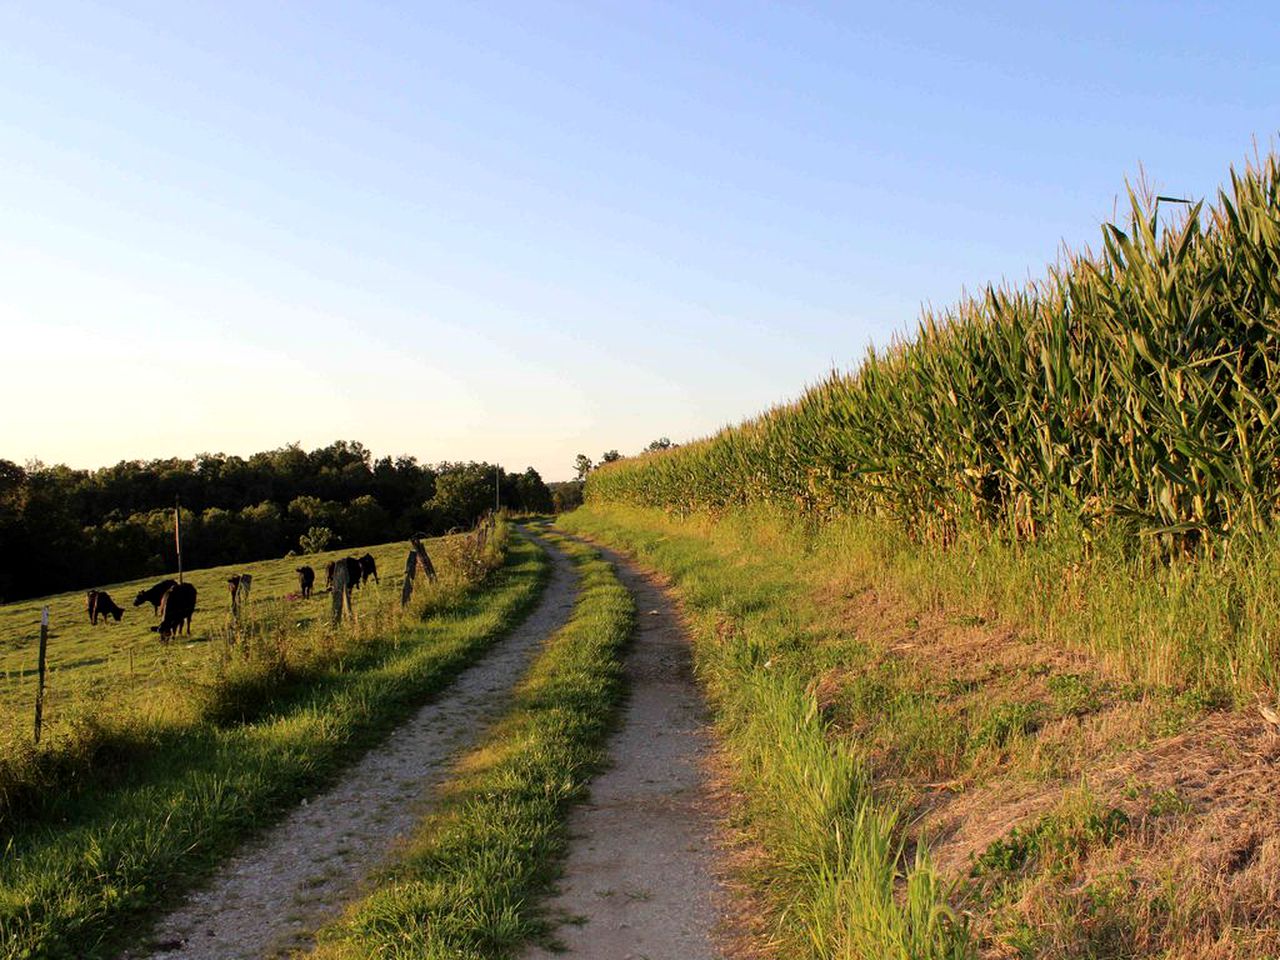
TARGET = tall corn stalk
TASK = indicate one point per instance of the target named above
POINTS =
(1136, 387)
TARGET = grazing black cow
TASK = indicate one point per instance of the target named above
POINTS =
(176, 608)
(353, 571)
(101, 605)
(307, 580)
(368, 569)
(153, 595)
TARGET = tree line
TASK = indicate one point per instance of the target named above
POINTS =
(567, 494)
(63, 529)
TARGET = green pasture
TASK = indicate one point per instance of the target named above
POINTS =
(120, 661)
(121, 811)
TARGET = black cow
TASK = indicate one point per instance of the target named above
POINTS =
(100, 604)
(153, 595)
(307, 580)
(176, 608)
(368, 569)
(354, 573)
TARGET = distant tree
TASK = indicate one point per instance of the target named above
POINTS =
(464, 491)
(222, 537)
(610, 456)
(583, 465)
(566, 495)
(662, 443)
(306, 511)
(13, 491)
(364, 521)
(316, 540)
(263, 525)
(13, 496)
(534, 495)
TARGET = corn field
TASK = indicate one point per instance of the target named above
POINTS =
(1134, 388)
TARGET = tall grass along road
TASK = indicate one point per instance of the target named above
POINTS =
(828, 863)
(926, 773)
(285, 715)
(270, 898)
(640, 878)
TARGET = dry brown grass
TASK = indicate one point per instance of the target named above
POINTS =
(1195, 871)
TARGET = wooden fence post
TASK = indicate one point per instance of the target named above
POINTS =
(44, 646)
(341, 592)
(242, 591)
(410, 571)
(423, 560)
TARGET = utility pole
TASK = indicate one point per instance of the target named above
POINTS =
(44, 646)
(497, 488)
(177, 531)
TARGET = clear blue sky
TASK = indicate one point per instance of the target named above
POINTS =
(522, 231)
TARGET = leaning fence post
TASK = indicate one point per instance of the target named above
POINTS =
(423, 560)
(410, 571)
(341, 592)
(44, 646)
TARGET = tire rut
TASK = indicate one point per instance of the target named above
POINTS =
(270, 898)
(640, 880)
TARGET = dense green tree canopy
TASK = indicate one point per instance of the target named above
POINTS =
(62, 529)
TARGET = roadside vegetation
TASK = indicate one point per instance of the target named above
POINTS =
(152, 797)
(1050, 800)
(829, 850)
(1013, 587)
(469, 883)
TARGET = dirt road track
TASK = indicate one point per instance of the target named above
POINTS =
(640, 871)
(271, 897)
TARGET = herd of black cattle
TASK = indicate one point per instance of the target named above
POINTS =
(175, 602)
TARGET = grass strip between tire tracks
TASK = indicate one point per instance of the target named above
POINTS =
(77, 888)
(469, 883)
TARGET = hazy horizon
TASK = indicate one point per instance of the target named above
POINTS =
(516, 233)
